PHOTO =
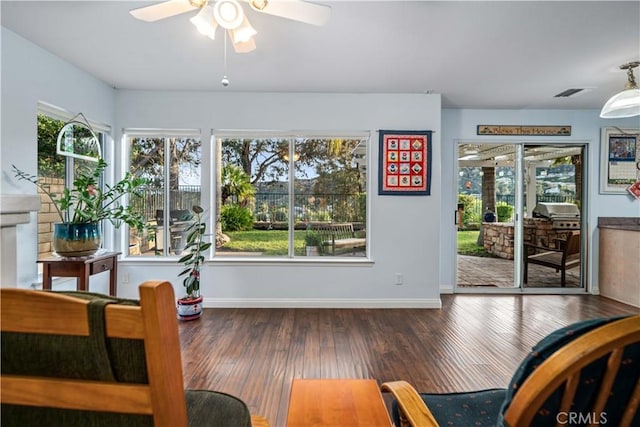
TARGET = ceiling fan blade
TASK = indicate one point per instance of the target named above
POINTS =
(159, 11)
(297, 10)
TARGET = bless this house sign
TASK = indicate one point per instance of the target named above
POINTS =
(405, 162)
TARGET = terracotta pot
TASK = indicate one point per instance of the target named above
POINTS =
(76, 240)
(189, 308)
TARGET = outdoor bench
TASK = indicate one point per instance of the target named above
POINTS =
(337, 237)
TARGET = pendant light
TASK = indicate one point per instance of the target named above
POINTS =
(627, 102)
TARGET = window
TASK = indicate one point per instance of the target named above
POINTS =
(56, 171)
(276, 190)
(171, 161)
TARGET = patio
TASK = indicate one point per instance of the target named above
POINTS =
(476, 271)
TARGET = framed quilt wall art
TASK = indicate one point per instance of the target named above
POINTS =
(404, 162)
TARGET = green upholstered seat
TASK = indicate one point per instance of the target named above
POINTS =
(100, 358)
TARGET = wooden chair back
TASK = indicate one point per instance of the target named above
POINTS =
(564, 367)
(615, 346)
(163, 398)
(571, 247)
(562, 258)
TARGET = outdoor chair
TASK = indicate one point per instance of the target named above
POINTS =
(562, 258)
(179, 220)
(84, 359)
(585, 374)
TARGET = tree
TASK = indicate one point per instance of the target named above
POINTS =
(221, 238)
(266, 159)
(576, 161)
(50, 164)
(266, 162)
(147, 158)
(236, 185)
(338, 174)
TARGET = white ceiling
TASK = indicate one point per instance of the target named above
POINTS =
(478, 54)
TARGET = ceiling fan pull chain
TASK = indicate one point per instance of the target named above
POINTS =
(225, 79)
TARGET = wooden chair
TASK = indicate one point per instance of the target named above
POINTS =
(589, 371)
(88, 359)
(565, 257)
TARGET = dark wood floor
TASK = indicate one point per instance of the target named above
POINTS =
(473, 342)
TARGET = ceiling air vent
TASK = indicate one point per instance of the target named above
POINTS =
(567, 93)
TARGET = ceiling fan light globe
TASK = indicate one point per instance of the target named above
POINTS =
(624, 104)
(205, 22)
(243, 33)
(228, 14)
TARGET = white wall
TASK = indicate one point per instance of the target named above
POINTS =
(460, 126)
(410, 235)
(403, 231)
(31, 74)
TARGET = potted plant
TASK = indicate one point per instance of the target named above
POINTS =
(313, 243)
(190, 305)
(82, 208)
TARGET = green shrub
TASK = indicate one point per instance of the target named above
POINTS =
(472, 210)
(236, 218)
(312, 238)
(504, 212)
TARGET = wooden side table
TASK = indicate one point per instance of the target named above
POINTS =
(336, 402)
(81, 268)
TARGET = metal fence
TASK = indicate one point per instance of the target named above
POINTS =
(311, 207)
(271, 207)
(153, 200)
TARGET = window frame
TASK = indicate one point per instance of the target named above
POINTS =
(103, 132)
(127, 135)
(217, 135)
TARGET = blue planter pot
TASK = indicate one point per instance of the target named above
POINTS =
(74, 240)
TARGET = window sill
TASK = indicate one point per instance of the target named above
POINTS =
(228, 260)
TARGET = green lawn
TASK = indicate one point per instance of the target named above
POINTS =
(467, 244)
(275, 243)
(268, 242)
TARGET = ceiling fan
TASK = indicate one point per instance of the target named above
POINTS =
(230, 15)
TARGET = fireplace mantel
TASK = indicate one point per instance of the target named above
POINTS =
(14, 209)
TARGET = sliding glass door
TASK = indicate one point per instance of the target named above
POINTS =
(519, 216)
(552, 238)
(486, 228)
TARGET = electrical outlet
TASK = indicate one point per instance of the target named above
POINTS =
(399, 278)
(125, 278)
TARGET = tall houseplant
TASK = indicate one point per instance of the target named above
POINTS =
(82, 208)
(190, 305)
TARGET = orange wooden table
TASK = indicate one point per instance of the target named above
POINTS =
(336, 402)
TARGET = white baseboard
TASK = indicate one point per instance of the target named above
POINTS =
(446, 290)
(321, 303)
